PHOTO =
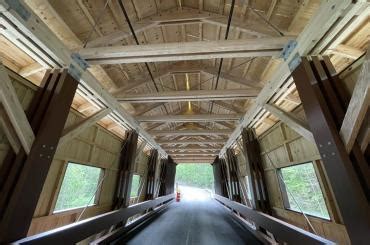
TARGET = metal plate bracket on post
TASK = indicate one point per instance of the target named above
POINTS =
(288, 49)
(18, 7)
(79, 65)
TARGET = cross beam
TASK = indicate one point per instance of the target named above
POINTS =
(190, 118)
(41, 40)
(190, 95)
(204, 132)
(328, 22)
(185, 51)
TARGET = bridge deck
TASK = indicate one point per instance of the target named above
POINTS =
(194, 222)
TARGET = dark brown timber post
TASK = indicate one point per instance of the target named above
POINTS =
(316, 97)
(150, 183)
(225, 190)
(126, 165)
(217, 176)
(256, 179)
(50, 107)
(233, 173)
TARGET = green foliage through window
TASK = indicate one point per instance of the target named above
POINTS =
(78, 187)
(195, 175)
(135, 185)
(301, 182)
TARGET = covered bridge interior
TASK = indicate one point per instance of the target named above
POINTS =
(274, 94)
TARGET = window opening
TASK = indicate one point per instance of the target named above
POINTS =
(79, 184)
(301, 190)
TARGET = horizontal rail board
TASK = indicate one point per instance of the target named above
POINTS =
(78, 231)
(282, 231)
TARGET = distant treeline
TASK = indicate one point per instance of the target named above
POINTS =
(195, 175)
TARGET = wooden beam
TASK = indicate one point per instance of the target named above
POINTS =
(185, 51)
(49, 45)
(9, 131)
(336, 15)
(190, 118)
(190, 95)
(192, 154)
(180, 148)
(180, 68)
(271, 9)
(31, 69)
(74, 130)
(192, 141)
(190, 132)
(14, 111)
(290, 120)
(228, 106)
(183, 17)
(200, 159)
(358, 106)
(346, 51)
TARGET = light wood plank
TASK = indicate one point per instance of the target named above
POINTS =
(358, 106)
(190, 95)
(185, 51)
(74, 130)
(194, 132)
(290, 120)
(14, 111)
(190, 118)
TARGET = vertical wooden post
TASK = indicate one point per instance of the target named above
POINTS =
(150, 183)
(316, 96)
(127, 162)
(20, 193)
(217, 175)
(256, 178)
(233, 173)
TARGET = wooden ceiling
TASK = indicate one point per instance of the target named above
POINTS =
(90, 27)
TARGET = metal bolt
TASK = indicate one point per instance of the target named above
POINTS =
(323, 155)
(320, 145)
(43, 146)
(329, 143)
(333, 153)
(51, 148)
(41, 155)
(48, 157)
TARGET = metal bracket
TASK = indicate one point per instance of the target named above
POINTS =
(294, 62)
(82, 65)
(80, 61)
(18, 7)
(288, 49)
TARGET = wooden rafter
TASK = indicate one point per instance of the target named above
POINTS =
(185, 51)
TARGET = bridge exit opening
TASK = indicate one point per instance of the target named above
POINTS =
(195, 181)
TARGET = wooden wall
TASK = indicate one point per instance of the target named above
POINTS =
(94, 147)
(284, 147)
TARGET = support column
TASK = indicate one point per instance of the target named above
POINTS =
(225, 188)
(235, 194)
(168, 173)
(255, 173)
(217, 176)
(150, 183)
(25, 175)
(126, 166)
(321, 104)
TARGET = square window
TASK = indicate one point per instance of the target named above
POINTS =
(78, 188)
(301, 190)
(135, 185)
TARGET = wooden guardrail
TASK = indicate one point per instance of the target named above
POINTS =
(73, 233)
(282, 231)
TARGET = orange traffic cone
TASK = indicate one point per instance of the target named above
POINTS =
(178, 194)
